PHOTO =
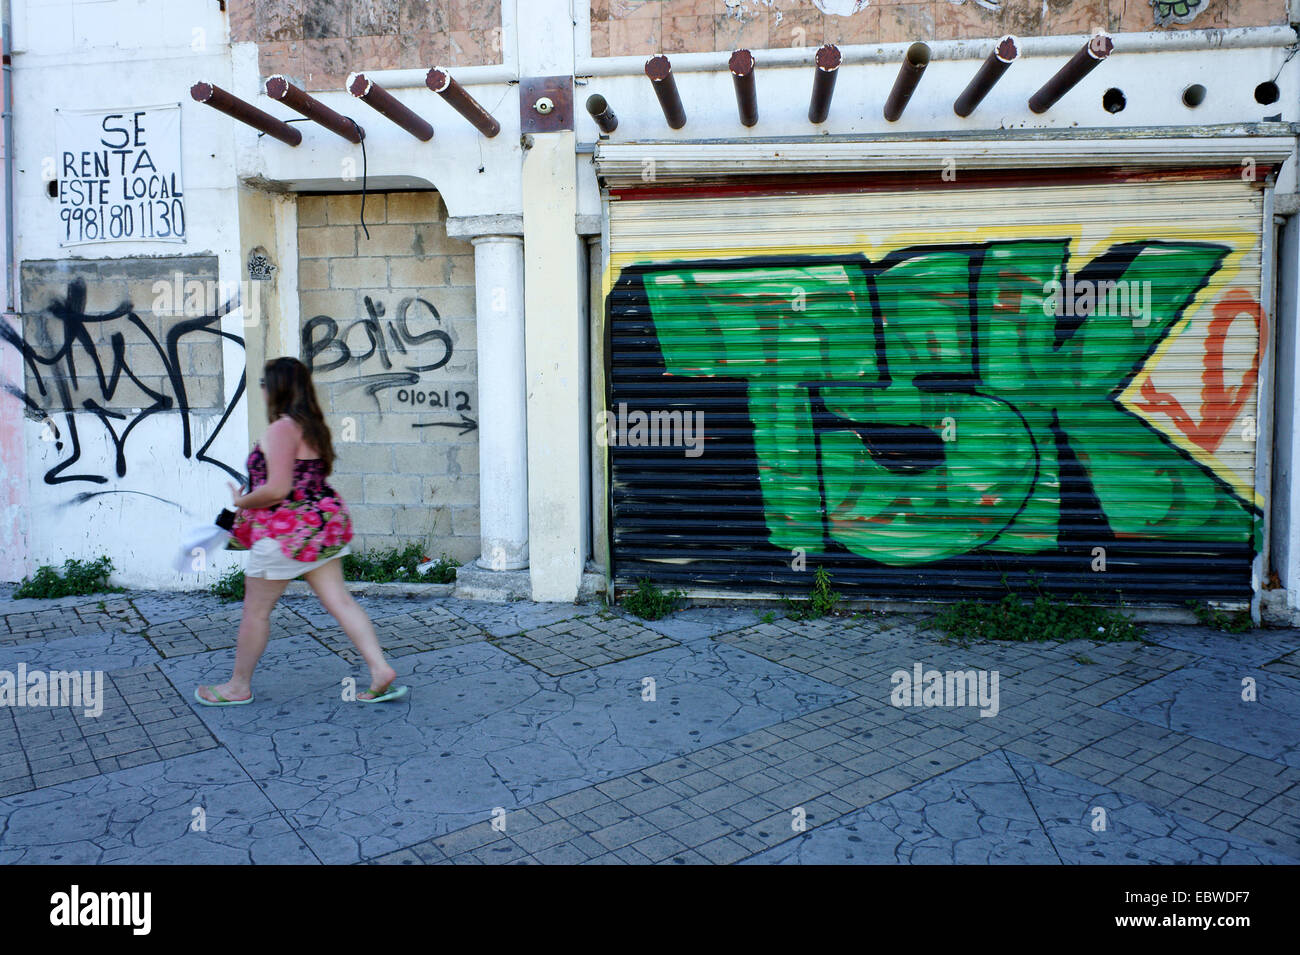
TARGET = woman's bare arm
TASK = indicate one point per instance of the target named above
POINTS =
(280, 445)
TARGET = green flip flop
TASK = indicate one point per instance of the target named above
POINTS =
(221, 700)
(385, 694)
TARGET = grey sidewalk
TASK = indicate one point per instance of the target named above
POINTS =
(569, 733)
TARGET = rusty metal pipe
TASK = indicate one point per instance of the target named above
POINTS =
(387, 105)
(999, 61)
(599, 109)
(660, 72)
(1068, 76)
(915, 61)
(440, 81)
(247, 113)
(279, 87)
(828, 68)
(742, 74)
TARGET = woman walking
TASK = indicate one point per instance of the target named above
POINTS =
(294, 525)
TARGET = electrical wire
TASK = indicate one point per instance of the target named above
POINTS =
(1295, 48)
(364, 175)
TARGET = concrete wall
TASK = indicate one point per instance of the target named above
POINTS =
(318, 42)
(240, 198)
(622, 27)
(110, 320)
(388, 329)
(130, 503)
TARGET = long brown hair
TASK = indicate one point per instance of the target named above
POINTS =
(289, 391)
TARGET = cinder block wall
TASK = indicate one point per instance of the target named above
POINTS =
(388, 329)
(65, 302)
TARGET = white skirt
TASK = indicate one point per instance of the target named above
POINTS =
(267, 560)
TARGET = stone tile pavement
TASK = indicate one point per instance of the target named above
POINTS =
(547, 733)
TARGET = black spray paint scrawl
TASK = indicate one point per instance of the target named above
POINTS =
(77, 347)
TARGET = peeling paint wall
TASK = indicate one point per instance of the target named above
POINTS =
(626, 27)
(318, 42)
(13, 469)
(121, 411)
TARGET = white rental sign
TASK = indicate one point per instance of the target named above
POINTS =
(119, 175)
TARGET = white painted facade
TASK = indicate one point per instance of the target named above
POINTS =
(120, 54)
(530, 207)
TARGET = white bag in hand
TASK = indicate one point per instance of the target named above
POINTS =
(203, 538)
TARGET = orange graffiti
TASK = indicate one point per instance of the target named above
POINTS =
(1220, 404)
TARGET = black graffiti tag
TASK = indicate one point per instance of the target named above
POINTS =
(55, 369)
(398, 332)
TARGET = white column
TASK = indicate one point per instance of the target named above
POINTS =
(502, 401)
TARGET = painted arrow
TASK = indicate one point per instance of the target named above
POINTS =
(466, 423)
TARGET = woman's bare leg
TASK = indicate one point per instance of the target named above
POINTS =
(327, 581)
(260, 596)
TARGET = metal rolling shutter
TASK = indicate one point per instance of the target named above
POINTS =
(892, 387)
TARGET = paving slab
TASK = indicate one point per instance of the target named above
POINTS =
(141, 719)
(146, 815)
(103, 651)
(1134, 831)
(1252, 648)
(977, 813)
(479, 730)
(701, 623)
(581, 642)
(418, 628)
(1204, 700)
(602, 738)
(1288, 665)
(507, 619)
(1006, 809)
(376, 607)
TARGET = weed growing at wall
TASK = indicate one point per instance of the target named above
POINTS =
(1236, 622)
(649, 602)
(398, 565)
(1040, 619)
(230, 585)
(78, 577)
(821, 599)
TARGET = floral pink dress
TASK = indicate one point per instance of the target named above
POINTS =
(311, 524)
